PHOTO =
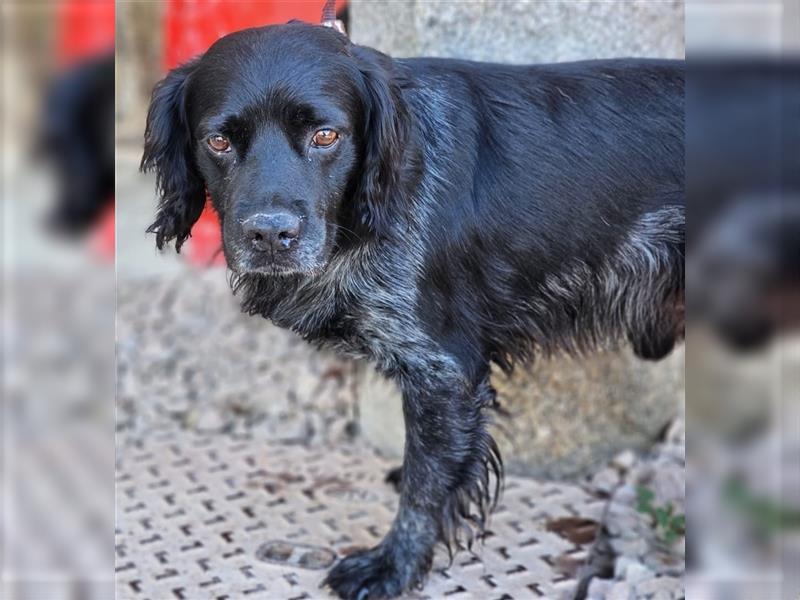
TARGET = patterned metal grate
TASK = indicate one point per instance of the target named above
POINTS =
(220, 518)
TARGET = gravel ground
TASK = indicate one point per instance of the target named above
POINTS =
(633, 557)
(188, 357)
(189, 360)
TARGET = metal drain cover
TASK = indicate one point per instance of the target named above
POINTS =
(220, 518)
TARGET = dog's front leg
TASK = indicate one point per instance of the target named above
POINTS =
(448, 462)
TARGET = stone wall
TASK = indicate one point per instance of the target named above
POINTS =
(565, 415)
(520, 32)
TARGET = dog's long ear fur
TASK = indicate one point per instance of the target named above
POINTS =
(168, 150)
(385, 135)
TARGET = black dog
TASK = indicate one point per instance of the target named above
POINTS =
(77, 136)
(433, 216)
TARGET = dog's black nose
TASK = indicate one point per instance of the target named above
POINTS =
(277, 231)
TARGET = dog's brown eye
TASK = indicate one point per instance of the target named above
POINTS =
(324, 138)
(219, 143)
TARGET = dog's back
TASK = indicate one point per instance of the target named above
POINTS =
(554, 203)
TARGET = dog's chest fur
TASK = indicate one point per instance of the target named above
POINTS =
(364, 305)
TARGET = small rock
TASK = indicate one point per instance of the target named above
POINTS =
(631, 570)
(599, 588)
(624, 516)
(634, 546)
(606, 480)
(625, 494)
(621, 566)
(667, 563)
(613, 528)
(624, 460)
(637, 572)
(211, 420)
(667, 587)
(669, 484)
(621, 590)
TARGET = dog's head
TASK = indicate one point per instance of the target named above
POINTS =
(296, 134)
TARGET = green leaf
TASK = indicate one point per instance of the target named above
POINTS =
(644, 499)
(662, 516)
(678, 523)
(644, 493)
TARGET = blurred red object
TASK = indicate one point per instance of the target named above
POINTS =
(190, 27)
(103, 239)
(85, 29)
(205, 245)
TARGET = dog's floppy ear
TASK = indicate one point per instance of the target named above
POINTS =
(168, 150)
(384, 138)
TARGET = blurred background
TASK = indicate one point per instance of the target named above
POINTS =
(743, 274)
(57, 490)
(187, 362)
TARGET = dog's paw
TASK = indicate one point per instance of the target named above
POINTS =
(395, 478)
(372, 574)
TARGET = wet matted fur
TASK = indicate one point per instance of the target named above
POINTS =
(469, 213)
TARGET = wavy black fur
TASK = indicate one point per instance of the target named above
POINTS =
(77, 138)
(468, 214)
